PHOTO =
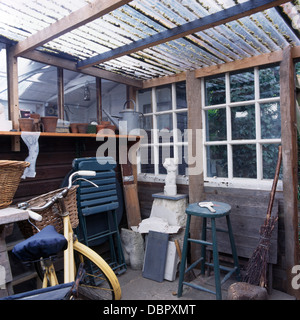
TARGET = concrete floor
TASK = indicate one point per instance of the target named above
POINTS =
(135, 287)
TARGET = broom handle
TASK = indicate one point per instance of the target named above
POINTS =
(272, 196)
(178, 248)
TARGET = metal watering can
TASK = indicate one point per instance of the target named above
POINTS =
(129, 121)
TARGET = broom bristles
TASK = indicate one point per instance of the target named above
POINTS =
(256, 272)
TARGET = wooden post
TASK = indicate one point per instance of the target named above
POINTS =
(99, 99)
(130, 95)
(13, 95)
(12, 84)
(60, 95)
(196, 182)
(290, 165)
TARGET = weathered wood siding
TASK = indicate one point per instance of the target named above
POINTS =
(249, 209)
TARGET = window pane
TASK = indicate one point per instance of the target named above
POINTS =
(113, 98)
(37, 88)
(242, 86)
(244, 161)
(165, 127)
(147, 160)
(181, 95)
(164, 98)
(147, 126)
(243, 122)
(181, 121)
(80, 97)
(270, 154)
(183, 160)
(216, 161)
(269, 85)
(215, 91)
(164, 152)
(270, 120)
(216, 124)
(145, 101)
(3, 84)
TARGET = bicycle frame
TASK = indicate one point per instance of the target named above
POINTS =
(69, 265)
(110, 286)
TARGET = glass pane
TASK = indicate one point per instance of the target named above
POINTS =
(37, 88)
(243, 122)
(80, 97)
(270, 120)
(269, 85)
(183, 160)
(181, 95)
(216, 124)
(164, 98)
(147, 160)
(244, 161)
(147, 126)
(145, 101)
(217, 161)
(165, 127)
(181, 121)
(164, 152)
(242, 86)
(113, 98)
(270, 154)
(3, 86)
(215, 91)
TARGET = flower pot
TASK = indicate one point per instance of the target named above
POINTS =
(49, 123)
(82, 127)
(74, 128)
(26, 124)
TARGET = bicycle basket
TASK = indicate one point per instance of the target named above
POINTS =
(51, 215)
(10, 177)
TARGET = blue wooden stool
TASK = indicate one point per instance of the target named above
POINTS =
(222, 210)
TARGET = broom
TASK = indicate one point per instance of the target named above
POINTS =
(256, 271)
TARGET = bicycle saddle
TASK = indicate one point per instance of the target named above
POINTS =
(43, 244)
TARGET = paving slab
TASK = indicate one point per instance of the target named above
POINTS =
(135, 287)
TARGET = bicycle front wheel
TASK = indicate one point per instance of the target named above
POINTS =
(100, 281)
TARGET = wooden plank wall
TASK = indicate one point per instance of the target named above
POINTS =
(249, 209)
(53, 163)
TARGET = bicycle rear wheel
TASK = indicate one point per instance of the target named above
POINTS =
(99, 282)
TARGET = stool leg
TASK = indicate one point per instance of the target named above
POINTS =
(233, 249)
(216, 260)
(203, 246)
(183, 256)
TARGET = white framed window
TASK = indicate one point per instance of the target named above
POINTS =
(242, 127)
(164, 111)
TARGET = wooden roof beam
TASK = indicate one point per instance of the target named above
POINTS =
(259, 60)
(213, 20)
(88, 13)
(71, 65)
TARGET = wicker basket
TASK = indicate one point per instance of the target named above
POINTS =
(10, 177)
(51, 215)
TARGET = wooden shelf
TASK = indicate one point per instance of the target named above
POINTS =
(66, 135)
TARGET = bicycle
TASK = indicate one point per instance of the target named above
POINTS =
(101, 284)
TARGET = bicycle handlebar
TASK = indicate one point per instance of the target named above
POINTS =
(33, 210)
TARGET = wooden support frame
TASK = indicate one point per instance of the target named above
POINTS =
(196, 181)
(90, 12)
(60, 95)
(70, 65)
(290, 165)
(13, 95)
(99, 99)
(213, 20)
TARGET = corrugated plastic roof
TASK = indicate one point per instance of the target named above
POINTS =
(262, 32)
